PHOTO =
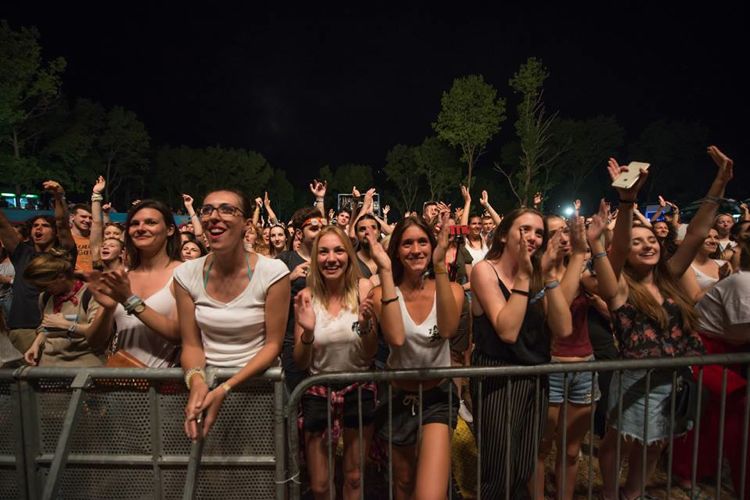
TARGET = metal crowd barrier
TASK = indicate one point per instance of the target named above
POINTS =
(118, 433)
(539, 371)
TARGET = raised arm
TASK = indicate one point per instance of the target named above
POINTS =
(318, 189)
(385, 300)
(506, 316)
(638, 215)
(703, 218)
(449, 296)
(272, 219)
(62, 218)
(187, 200)
(570, 282)
(366, 208)
(624, 225)
(467, 206)
(97, 226)
(556, 307)
(8, 233)
(662, 208)
(485, 202)
(607, 282)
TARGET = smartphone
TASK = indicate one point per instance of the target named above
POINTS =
(629, 177)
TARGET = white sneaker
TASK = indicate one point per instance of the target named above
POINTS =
(464, 413)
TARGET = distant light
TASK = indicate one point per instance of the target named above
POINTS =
(30, 196)
(568, 211)
(7, 194)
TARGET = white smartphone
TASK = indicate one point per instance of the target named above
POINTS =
(629, 177)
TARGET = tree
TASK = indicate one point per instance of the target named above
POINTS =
(402, 171)
(533, 131)
(123, 146)
(438, 164)
(581, 147)
(470, 115)
(281, 192)
(29, 87)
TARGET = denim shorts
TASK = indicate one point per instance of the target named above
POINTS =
(631, 425)
(581, 386)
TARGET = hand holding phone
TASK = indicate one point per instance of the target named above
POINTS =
(627, 178)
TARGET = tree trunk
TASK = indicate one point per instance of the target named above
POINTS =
(471, 165)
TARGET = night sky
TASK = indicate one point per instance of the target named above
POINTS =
(321, 84)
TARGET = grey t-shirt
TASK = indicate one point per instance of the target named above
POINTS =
(725, 309)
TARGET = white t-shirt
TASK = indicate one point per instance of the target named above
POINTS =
(423, 346)
(338, 346)
(232, 332)
(725, 309)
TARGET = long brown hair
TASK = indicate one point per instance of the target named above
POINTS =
(669, 287)
(498, 245)
(315, 281)
(173, 246)
(397, 268)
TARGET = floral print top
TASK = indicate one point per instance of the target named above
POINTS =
(641, 337)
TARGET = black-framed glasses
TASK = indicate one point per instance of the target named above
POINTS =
(225, 210)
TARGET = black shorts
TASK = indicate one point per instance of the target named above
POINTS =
(315, 410)
(437, 405)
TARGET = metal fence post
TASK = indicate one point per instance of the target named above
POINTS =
(80, 382)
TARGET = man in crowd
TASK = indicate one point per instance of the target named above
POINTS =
(80, 227)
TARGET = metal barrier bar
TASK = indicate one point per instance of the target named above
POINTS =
(645, 446)
(696, 437)
(20, 459)
(479, 438)
(331, 463)
(618, 446)
(535, 433)
(279, 392)
(722, 416)
(63, 444)
(390, 442)
(155, 437)
(745, 432)
(563, 451)
(191, 476)
(670, 450)
(592, 407)
(361, 446)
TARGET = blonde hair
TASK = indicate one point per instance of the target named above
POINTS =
(315, 281)
(47, 267)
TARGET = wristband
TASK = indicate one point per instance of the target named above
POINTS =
(96, 197)
(552, 284)
(599, 255)
(227, 387)
(191, 372)
(318, 200)
(439, 270)
(385, 302)
(525, 293)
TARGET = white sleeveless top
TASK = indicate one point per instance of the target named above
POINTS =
(338, 346)
(423, 346)
(232, 332)
(141, 341)
(704, 280)
(477, 254)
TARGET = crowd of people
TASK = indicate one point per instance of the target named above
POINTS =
(348, 290)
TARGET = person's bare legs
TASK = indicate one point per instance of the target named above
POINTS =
(404, 460)
(608, 463)
(578, 419)
(632, 486)
(352, 445)
(536, 485)
(434, 463)
(316, 454)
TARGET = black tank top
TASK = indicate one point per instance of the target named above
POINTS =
(532, 346)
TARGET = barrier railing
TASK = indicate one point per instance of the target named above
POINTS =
(104, 433)
(118, 433)
(539, 371)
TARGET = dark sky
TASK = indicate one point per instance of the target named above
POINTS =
(317, 84)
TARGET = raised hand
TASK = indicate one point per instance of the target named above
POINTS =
(443, 239)
(578, 235)
(99, 185)
(598, 223)
(725, 164)
(631, 193)
(577, 206)
(465, 194)
(662, 202)
(484, 200)
(266, 199)
(304, 314)
(116, 284)
(378, 253)
(386, 209)
(53, 187)
(318, 188)
(98, 290)
(525, 267)
(552, 256)
(458, 212)
(259, 202)
(355, 192)
(187, 200)
(300, 271)
(106, 208)
(538, 198)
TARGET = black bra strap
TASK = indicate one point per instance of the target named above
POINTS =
(503, 288)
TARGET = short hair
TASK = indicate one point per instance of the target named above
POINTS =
(302, 214)
(428, 204)
(79, 206)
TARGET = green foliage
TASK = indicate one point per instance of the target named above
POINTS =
(582, 146)
(345, 177)
(282, 193)
(533, 171)
(439, 165)
(29, 86)
(198, 171)
(123, 146)
(402, 170)
(470, 115)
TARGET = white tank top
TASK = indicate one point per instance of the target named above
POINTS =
(423, 346)
(477, 254)
(142, 342)
(338, 347)
(704, 280)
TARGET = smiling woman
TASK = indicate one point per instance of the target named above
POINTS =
(232, 307)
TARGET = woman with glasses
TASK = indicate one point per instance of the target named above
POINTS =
(142, 298)
(233, 308)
